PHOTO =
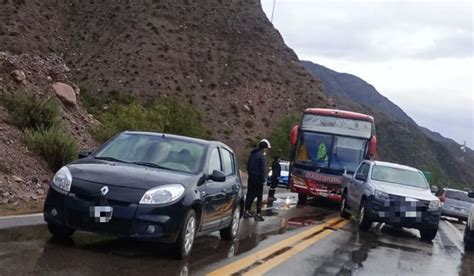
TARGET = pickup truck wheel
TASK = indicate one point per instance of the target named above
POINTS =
(468, 241)
(363, 219)
(344, 213)
(428, 233)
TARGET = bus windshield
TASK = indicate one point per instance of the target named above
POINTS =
(330, 151)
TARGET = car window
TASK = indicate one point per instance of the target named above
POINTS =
(399, 176)
(157, 151)
(228, 162)
(362, 168)
(365, 170)
(458, 195)
(214, 161)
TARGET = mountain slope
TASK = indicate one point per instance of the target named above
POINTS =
(401, 140)
(345, 85)
(223, 56)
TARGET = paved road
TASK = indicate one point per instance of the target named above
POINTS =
(308, 240)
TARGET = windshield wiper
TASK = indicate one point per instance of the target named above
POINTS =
(152, 165)
(108, 158)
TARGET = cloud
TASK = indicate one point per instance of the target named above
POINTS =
(417, 53)
(376, 30)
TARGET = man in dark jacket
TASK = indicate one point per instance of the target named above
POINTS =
(276, 173)
(257, 175)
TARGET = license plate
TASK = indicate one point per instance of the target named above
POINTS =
(410, 214)
(101, 214)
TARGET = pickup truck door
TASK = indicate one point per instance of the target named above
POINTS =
(356, 187)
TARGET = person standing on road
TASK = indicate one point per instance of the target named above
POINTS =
(257, 175)
(276, 173)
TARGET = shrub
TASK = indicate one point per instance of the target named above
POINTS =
(183, 119)
(279, 135)
(133, 116)
(28, 111)
(53, 144)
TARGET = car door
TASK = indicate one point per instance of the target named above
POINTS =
(232, 185)
(353, 186)
(212, 193)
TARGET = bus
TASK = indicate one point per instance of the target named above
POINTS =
(327, 144)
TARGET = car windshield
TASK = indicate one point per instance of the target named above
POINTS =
(285, 166)
(154, 151)
(328, 151)
(459, 195)
(399, 176)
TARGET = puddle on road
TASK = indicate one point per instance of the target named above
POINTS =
(42, 253)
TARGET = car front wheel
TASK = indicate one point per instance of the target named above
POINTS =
(363, 219)
(60, 231)
(230, 233)
(428, 233)
(185, 240)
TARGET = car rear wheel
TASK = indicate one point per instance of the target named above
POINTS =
(60, 231)
(363, 219)
(343, 210)
(428, 233)
(185, 240)
(230, 233)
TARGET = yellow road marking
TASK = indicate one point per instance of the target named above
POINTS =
(270, 264)
(266, 252)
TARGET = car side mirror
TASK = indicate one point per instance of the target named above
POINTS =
(361, 177)
(434, 189)
(470, 194)
(217, 176)
(84, 153)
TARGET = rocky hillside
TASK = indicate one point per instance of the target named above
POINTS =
(223, 56)
(401, 140)
(24, 176)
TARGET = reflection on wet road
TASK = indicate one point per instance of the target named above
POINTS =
(345, 251)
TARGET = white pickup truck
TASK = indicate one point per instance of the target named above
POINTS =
(394, 194)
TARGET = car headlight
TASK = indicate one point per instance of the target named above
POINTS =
(163, 194)
(63, 179)
(381, 195)
(434, 204)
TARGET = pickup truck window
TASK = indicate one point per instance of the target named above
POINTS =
(399, 176)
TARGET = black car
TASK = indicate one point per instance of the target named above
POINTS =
(145, 185)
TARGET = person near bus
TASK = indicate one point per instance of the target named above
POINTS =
(275, 178)
(256, 168)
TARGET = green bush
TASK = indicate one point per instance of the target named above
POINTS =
(28, 111)
(279, 135)
(183, 119)
(167, 116)
(129, 117)
(53, 144)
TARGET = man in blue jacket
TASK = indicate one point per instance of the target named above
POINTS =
(256, 168)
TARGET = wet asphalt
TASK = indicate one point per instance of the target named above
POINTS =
(382, 251)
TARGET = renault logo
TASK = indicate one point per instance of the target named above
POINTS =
(104, 190)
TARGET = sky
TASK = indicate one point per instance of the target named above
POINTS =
(417, 53)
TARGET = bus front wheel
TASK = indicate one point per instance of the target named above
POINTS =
(302, 199)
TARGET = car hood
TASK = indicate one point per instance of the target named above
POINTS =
(127, 175)
(403, 190)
